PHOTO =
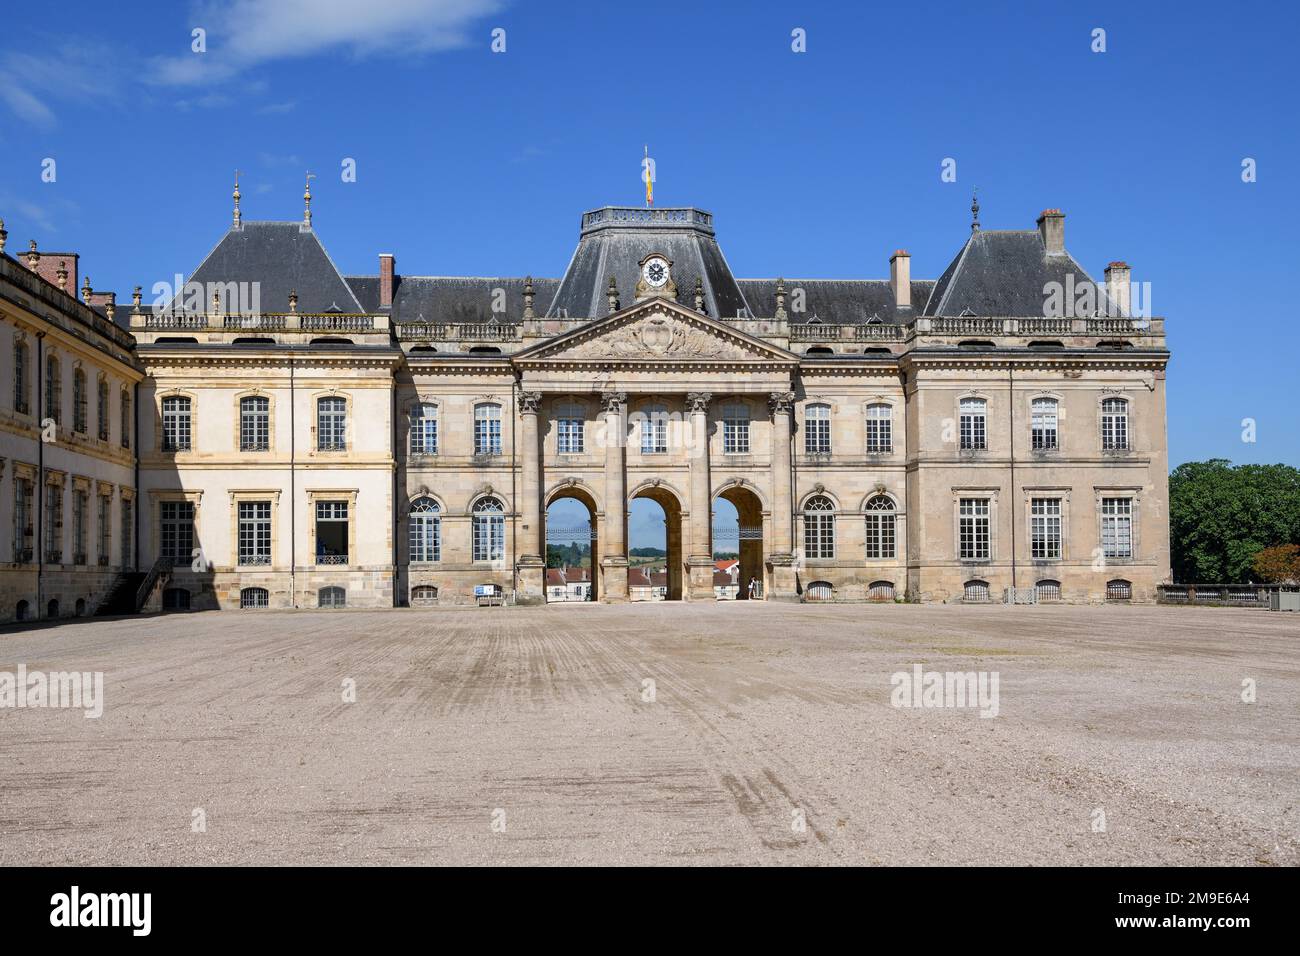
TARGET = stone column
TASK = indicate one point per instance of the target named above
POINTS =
(614, 535)
(782, 586)
(532, 560)
(699, 562)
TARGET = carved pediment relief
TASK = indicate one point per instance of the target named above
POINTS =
(664, 334)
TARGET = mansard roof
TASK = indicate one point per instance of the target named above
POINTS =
(838, 301)
(1001, 272)
(465, 299)
(282, 257)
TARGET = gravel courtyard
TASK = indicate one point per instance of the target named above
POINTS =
(525, 736)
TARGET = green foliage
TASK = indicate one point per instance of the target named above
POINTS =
(648, 553)
(571, 555)
(1221, 516)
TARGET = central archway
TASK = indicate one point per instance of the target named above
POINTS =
(671, 506)
(747, 541)
(571, 543)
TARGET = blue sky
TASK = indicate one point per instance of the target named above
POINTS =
(816, 164)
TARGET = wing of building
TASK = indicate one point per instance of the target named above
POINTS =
(294, 436)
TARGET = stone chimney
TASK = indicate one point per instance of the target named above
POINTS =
(1051, 227)
(386, 264)
(1117, 286)
(900, 278)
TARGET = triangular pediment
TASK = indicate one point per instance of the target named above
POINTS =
(656, 330)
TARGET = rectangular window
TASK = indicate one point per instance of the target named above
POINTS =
(331, 424)
(20, 378)
(23, 525)
(1117, 527)
(568, 430)
(78, 527)
(104, 519)
(654, 431)
(1114, 424)
(973, 422)
(176, 423)
(79, 400)
(101, 409)
(487, 429)
(1045, 528)
(880, 438)
(54, 524)
(735, 430)
(489, 537)
(126, 419)
(817, 430)
(424, 430)
(331, 532)
(1042, 424)
(53, 390)
(254, 423)
(175, 531)
(254, 532)
(973, 529)
(128, 532)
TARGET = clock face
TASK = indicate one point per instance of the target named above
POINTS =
(656, 272)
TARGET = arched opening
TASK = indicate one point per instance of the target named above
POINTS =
(654, 539)
(52, 608)
(79, 609)
(484, 350)
(572, 549)
(176, 599)
(253, 340)
(1048, 591)
(332, 596)
(820, 350)
(331, 340)
(254, 598)
(22, 611)
(975, 592)
(424, 595)
(738, 531)
(176, 339)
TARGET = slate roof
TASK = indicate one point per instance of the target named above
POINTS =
(616, 247)
(842, 301)
(464, 299)
(282, 256)
(1002, 272)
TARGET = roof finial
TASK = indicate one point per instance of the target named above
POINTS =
(699, 295)
(3, 235)
(236, 195)
(306, 198)
(612, 294)
(975, 210)
(528, 298)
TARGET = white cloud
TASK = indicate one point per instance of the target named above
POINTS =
(83, 71)
(242, 34)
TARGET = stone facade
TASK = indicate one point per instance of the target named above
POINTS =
(391, 440)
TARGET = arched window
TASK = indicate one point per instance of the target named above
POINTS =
(880, 432)
(1043, 424)
(1048, 590)
(1119, 590)
(973, 420)
(52, 608)
(654, 430)
(880, 527)
(20, 379)
(53, 389)
(424, 429)
(79, 400)
(881, 591)
(489, 530)
(819, 591)
(254, 423)
(332, 597)
(254, 597)
(425, 530)
(976, 592)
(424, 595)
(101, 409)
(176, 423)
(1114, 424)
(817, 429)
(568, 428)
(331, 423)
(22, 611)
(487, 429)
(79, 609)
(819, 528)
(735, 429)
(126, 419)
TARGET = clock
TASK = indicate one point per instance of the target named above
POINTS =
(655, 272)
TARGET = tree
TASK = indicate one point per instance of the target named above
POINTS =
(1279, 564)
(1221, 516)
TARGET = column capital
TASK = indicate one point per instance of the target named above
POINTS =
(612, 401)
(781, 402)
(698, 401)
(529, 402)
